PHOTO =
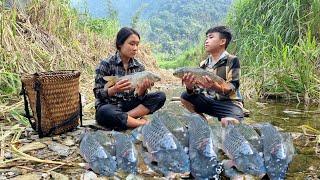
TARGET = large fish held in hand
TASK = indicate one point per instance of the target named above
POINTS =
(243, 155)
(134, 78)
(198, 74)
(278, 151)
(100, 161)
(165, 154)
(202, 151)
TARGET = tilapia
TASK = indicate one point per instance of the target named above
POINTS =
(165, 153)
(244, 156)
(251, 135)
(107, 141)
(202, 151)
(177, 128)
(127, 156)
(100, 161)
(134, 78)
(198, 73)
(218, 132)
(278, 151)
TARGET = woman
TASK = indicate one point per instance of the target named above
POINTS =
(118, 107)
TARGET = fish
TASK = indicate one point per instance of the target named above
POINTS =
(202, 151)
(278, 151)
(163, 153)
(218, 132)
(244, 156)
(198, 73)
(135, 78)
(251, 135)
(126, 153)
(100, 161)
(232, 173)
(107, 141)
(178, 129)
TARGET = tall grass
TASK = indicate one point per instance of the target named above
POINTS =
(278, 44)
(49, 35)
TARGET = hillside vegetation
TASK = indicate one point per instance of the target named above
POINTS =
(49, 35)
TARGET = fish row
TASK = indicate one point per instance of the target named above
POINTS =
(105, 152)
(258, 150)
(180, 146)
(255, 150)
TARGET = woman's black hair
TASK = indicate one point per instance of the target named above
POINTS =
(123, 35)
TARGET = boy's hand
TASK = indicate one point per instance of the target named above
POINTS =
(208, 83)
(189, 80)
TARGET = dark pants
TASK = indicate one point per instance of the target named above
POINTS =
(212, 107)
(115, 116)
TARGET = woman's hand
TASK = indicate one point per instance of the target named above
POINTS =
(141, 88)
(189, 80)
(120, 86)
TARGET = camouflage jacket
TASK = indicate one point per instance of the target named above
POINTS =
(113, 66)
(228, 67)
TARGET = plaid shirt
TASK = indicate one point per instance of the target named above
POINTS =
(228, 67)
(113, 67)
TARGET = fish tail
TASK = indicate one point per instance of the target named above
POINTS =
(111, 80)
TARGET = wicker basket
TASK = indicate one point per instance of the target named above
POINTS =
(54, 99)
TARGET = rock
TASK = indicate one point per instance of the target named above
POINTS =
(68, 141)
(30, 176)
(44, 175)
(134, 177)
(25, 140)
(60, 149)
(34, 137)
(8, 155)
(58, 176)
(10, 173)
(89, 175)
(32, 146)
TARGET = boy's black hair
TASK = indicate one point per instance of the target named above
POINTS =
(123, 35)
(224, 32)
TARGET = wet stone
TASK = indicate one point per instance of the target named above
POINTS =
(68, 141)
(34, 137)
(55, 138)
(60, 149)
(25, 140)
(8, 155)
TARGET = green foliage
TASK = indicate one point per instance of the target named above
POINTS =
(191, 57)
(105, 27)
(9, 85)
(277, 42)
(175, 26)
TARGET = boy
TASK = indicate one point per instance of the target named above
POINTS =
(223, 100)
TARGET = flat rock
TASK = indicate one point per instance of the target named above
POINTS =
(32, 146)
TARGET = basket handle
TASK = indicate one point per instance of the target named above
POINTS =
(80, 110)
(26, 106)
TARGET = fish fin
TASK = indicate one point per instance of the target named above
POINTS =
(111, 80)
